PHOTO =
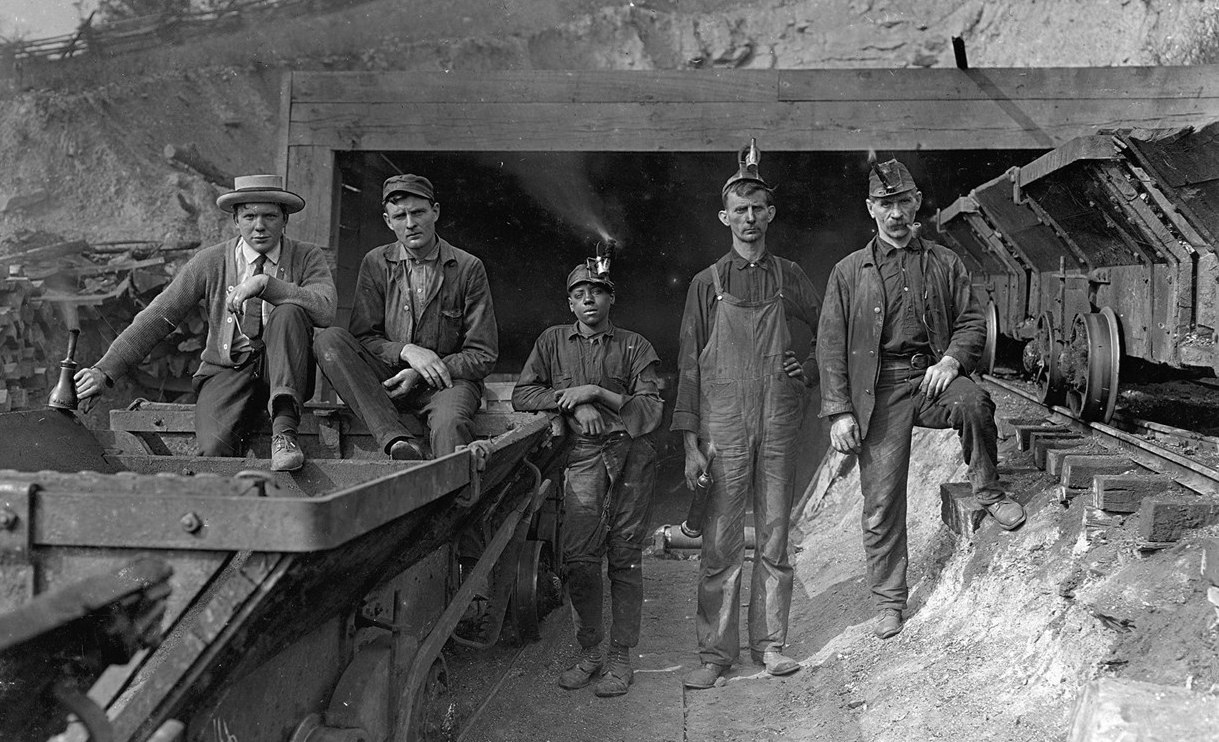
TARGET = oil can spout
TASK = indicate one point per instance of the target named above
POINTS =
(63, 396)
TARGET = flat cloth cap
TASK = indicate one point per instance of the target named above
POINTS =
(888, 179)
(583, 274)
(415, 185)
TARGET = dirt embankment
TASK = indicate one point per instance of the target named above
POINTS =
(93, 141)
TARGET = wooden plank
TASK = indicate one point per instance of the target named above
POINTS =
(313, 176)
(779, 126)
(536, 86)
(1081, 148)
(1046, 83)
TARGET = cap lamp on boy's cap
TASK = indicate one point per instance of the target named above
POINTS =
(749, 157)
(582, 273)
(889, 179)
(260, 189)
(415, 185)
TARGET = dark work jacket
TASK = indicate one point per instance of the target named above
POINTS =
(853, 316)
(457, 323)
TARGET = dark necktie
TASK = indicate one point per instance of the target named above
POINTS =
(251, 319)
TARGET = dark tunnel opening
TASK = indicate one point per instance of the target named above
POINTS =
(532, 216)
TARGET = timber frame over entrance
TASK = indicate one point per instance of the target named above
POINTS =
(698, 111)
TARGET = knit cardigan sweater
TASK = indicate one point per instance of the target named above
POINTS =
(302, 278)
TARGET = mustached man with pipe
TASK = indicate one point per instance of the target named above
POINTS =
(742, 389)
(602, 380)
(900, 333)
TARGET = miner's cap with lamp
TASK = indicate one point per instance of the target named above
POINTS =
(748, 157)
(888, 178)
(260, 189)
(415, 185)
(586, 273)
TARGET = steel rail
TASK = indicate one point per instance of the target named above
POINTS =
(1192, 474)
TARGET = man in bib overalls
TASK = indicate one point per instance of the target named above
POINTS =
(740, 401)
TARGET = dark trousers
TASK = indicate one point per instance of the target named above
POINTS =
(230, 400)
(357, 374)
(884, 465)
(607, 499)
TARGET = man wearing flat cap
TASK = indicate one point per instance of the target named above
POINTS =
(900, 333)
(422, 334)
(602, 380)
(264, 294)
(741, 397)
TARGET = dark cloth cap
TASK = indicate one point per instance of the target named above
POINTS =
(582, 273)
(896, 179)
(415, 185)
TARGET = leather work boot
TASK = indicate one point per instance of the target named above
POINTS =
(406, 450)
(888, 623)
(285, 454)
(618, 673)
(1007, 513)
(776, 662)
(582, 673)
(703, 677)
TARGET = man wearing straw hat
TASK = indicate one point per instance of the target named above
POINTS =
(741, 389)
(264, 293)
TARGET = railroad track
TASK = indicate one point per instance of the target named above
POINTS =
(1149, 444)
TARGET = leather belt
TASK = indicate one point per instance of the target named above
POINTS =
(916, 362)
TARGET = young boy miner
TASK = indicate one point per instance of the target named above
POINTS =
(602, 380)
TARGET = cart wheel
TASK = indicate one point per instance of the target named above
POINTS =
(1092, 362)
(434, 717)
(536, 591)
(986, 365)
(1042, 360)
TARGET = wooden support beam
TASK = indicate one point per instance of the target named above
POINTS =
(1078, 470)
(1166, 518)
(1123, 493)
(700, 127)
(960, 509)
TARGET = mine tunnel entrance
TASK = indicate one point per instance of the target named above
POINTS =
(531, 216)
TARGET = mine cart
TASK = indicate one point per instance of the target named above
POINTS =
(309, 606)
(1104, 247)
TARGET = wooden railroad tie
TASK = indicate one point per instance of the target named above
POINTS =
(1165, 518)
(1124, 493)
(1026, 427)
(1041, 443)
(960, 509)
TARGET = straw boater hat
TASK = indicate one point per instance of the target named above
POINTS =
(260, 189)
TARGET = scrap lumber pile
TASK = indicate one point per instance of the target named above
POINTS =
(99, 288)
(24, 364)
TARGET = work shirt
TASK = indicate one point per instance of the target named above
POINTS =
(421, 274)
(245, 258)
(457, 321)
(750, 282)
(901, 274)
(621, 361)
